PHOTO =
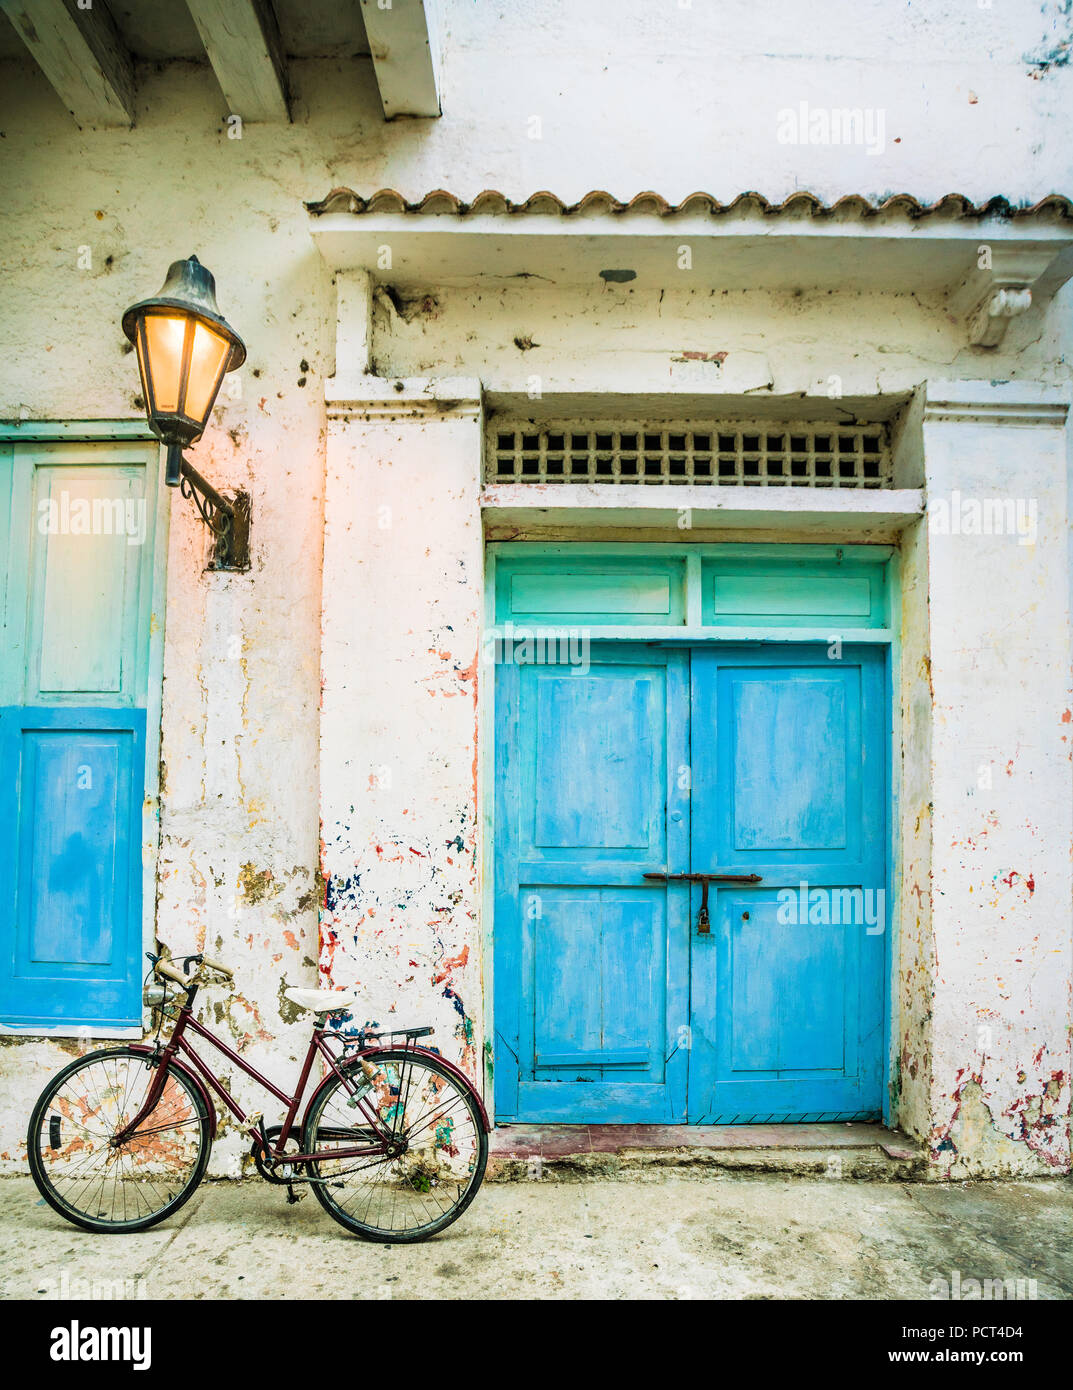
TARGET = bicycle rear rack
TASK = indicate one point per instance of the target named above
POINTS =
(369, 1036)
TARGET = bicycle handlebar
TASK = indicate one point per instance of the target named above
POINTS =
(224, 970)
(169, 972)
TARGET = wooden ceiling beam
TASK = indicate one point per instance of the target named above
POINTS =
(82, 55)
(241, 38)
(405, 50)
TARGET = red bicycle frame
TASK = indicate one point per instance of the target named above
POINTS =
(178, 1046)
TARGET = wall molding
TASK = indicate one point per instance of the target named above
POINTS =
(993, 413)
(996, 403)
(30, 431)
(403, 398)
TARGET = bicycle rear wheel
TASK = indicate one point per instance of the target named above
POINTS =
(102, 1187)
(433, 1117)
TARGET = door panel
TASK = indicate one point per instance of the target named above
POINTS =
(592, 953)
(789, 772)
(591, 962)
(598, 763)
(789, 992)
(789, 783)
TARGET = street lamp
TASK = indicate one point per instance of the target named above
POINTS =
(185, 346)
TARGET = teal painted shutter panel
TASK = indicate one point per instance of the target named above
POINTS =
(77, 593)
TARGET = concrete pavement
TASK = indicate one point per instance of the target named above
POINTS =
(652, 1236)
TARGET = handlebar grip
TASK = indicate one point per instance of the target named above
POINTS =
(215, 965)
(169, 972)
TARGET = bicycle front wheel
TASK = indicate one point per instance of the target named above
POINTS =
(97, 1184)
(433, 1120)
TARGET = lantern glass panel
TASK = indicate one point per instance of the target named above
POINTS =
(164, 338)
(208, 359)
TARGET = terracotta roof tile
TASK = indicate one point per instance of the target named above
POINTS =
(598, 201)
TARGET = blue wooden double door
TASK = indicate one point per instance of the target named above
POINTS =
(616, 999)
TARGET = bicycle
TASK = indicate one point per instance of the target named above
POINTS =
(393, 1139)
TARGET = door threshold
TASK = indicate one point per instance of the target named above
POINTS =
(520, 1151)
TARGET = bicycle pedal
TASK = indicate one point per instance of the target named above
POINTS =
(293, 1196)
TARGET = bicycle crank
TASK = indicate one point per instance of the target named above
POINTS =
(274, 1170)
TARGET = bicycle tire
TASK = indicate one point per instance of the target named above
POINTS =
(380, 1234)
(41, 1176)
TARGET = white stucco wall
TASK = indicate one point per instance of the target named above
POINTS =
(403, 565)
(999, 796)
(627, 96)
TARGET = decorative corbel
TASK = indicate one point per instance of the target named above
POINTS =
(987, 327)
(998, 291)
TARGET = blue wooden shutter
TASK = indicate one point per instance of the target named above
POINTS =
(77, 526)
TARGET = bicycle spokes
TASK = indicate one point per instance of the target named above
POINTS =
(431, 1154)
(98, 1180)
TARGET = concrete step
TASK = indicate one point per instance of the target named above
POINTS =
(567, 1153)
